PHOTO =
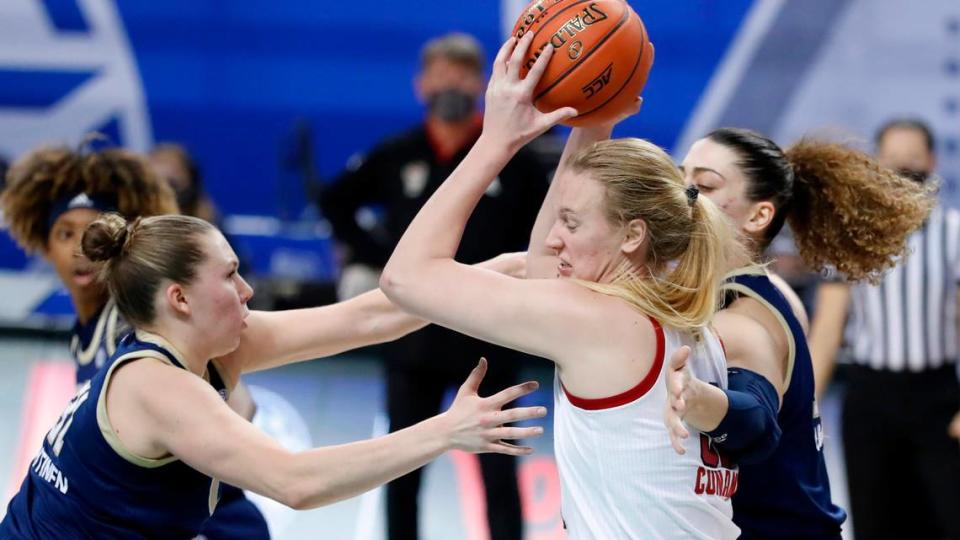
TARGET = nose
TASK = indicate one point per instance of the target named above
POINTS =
(553, 240)
(245, 290)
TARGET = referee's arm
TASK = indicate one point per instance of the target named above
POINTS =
(826, 333)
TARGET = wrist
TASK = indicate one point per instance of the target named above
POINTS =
(499, 149)
(439, 431)
(706, 406)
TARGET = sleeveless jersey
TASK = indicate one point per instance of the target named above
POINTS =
(621, 478)
(787, 495)
(91, 344)
(85, 484)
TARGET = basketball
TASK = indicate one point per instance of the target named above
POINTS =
(602, 56)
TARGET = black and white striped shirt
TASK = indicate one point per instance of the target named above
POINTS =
(909, 321)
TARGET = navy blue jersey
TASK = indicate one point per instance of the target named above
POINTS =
(788, 495)
(85, 484)
(91, 344)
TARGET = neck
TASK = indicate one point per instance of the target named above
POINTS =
(187, 344)
(87, 305)
(452, 136)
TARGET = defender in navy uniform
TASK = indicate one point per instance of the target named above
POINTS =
(82, 452)
(768, 420)
(136, 452)
(72, 188)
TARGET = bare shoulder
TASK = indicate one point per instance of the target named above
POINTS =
(796, 304)
(606, 321)
(748, 343)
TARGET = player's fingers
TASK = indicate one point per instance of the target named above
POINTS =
(513, 433)
(518, 414)
(536, 72)
(509, 449)
(500, 62)
(679, 358)
(503, 397)
(472, 384)
(560, 115)
(517, 56)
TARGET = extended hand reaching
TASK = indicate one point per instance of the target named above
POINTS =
(476, 424)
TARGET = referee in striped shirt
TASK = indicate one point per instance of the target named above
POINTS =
(900, 414)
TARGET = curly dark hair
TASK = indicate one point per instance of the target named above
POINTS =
(47, 174)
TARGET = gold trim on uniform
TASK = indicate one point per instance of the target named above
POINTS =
(103, 420)
(791, 344)
(108, 322)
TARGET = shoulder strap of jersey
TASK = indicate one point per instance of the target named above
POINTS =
(753, 282)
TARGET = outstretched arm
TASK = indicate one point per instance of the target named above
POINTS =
(422, 276)
(742, 417)
(276, 338)
(195, 425)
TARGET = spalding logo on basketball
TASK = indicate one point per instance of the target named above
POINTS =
(601, 59)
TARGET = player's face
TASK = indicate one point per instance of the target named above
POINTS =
(220, 295)
(905, 149)
(586, 243)
(76, 272)
(712, 167)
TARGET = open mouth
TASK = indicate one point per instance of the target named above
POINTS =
(84, 275)
(564, 268)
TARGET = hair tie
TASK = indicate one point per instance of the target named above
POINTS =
(692, 192)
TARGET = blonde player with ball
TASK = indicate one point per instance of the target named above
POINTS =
(641, 260)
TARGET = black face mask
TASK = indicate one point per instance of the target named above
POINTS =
(917, 176)
(451, 105)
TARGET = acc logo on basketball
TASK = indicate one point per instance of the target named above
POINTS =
(598, 83)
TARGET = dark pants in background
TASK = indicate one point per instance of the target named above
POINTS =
(903, 469)
(420, 369)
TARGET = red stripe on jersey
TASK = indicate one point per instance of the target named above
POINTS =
(632, 394)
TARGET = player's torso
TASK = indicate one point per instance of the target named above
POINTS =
(621, 477)
(85, 483)
(790, 490)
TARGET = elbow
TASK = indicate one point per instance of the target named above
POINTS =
(397, 283)
(294, 498)
(391, 282)
(298, 496)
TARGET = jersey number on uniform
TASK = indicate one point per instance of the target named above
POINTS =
(55, 436)
(712, 456)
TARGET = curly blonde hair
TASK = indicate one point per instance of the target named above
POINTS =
(47, 174)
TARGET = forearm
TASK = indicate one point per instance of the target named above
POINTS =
(327, 475)
(706, 405)
(826, 334)
(541, 261)
(277, 338)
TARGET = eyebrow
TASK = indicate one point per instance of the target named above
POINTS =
(697, 170)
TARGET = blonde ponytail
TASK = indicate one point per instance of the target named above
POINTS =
(690, 241)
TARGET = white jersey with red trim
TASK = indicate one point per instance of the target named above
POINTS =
(621, 478)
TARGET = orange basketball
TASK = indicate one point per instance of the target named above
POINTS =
(602, 56)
